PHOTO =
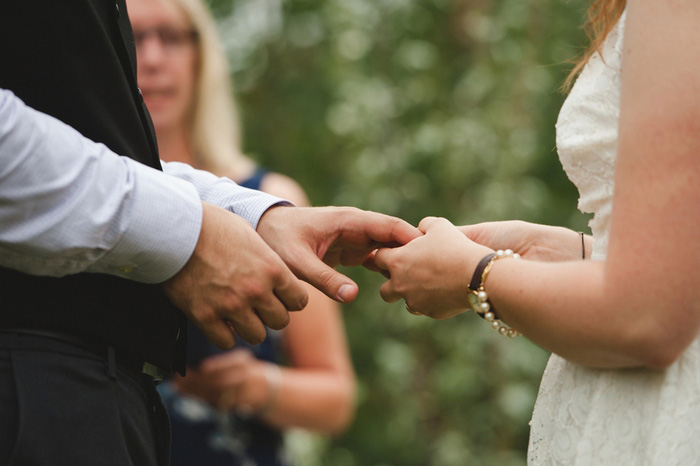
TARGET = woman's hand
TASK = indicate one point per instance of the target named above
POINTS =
(532, 241)
(231, 381)
(431, 272)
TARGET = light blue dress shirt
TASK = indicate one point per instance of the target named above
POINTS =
(69, 205)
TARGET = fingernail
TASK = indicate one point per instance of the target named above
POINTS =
(345, 293)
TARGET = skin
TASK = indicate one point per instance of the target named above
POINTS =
(639, 307)
(226, 290)
(318, 391)
(240, 297)
(165, 75)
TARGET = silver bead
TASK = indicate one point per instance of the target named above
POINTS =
(508, 252)
(503, 331)
(483, 296)
(495, 325)
(489, 316)
(484, 307)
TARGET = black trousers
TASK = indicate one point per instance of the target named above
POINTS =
(64, 405)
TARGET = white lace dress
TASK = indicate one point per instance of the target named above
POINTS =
(592, 417)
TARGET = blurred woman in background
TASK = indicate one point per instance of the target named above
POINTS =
(232, 407)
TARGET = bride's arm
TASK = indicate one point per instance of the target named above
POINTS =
(531, 240)
(641, 307)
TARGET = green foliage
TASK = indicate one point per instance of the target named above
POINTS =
(416, 108)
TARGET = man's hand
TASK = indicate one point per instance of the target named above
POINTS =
(234, 282)
(312, 240)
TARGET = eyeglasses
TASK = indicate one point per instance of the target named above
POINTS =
(170, 38)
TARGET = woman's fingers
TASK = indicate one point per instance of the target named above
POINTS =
(384, 261)
(429, 223)
(382, 258)
(389, 293)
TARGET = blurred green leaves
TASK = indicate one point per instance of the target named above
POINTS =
(416, 108)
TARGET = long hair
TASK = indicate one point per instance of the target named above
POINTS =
(216, 135)
(601, 17)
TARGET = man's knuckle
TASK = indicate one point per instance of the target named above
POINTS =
(275, 273)
(255, 291)
(230, 301)
(279, 321)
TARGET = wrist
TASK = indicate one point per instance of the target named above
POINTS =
(273, 378)
(478, 297)
(271, 212)
(585, 246)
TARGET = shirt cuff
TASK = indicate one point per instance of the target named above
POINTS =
(249, 204)
(165, 219)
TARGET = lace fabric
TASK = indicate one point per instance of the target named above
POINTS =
(594, 417)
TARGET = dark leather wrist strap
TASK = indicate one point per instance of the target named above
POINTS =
(475, 283)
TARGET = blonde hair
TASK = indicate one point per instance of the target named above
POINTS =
(216, 135)
(601, 18)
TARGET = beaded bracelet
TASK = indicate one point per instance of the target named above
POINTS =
(479, 299)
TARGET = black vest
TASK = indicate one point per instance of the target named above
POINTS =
(75, 60)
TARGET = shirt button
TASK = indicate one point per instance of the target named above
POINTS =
(140, 94)
(116, 8)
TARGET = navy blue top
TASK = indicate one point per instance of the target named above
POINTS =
(255, 179)
(203, 436)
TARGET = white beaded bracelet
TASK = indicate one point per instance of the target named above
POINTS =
(479, 299)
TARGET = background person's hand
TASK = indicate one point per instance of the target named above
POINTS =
(312, 240)
(234, 283)
(431, 273)
(230, 381)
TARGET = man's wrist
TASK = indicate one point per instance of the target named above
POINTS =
(271, 209)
